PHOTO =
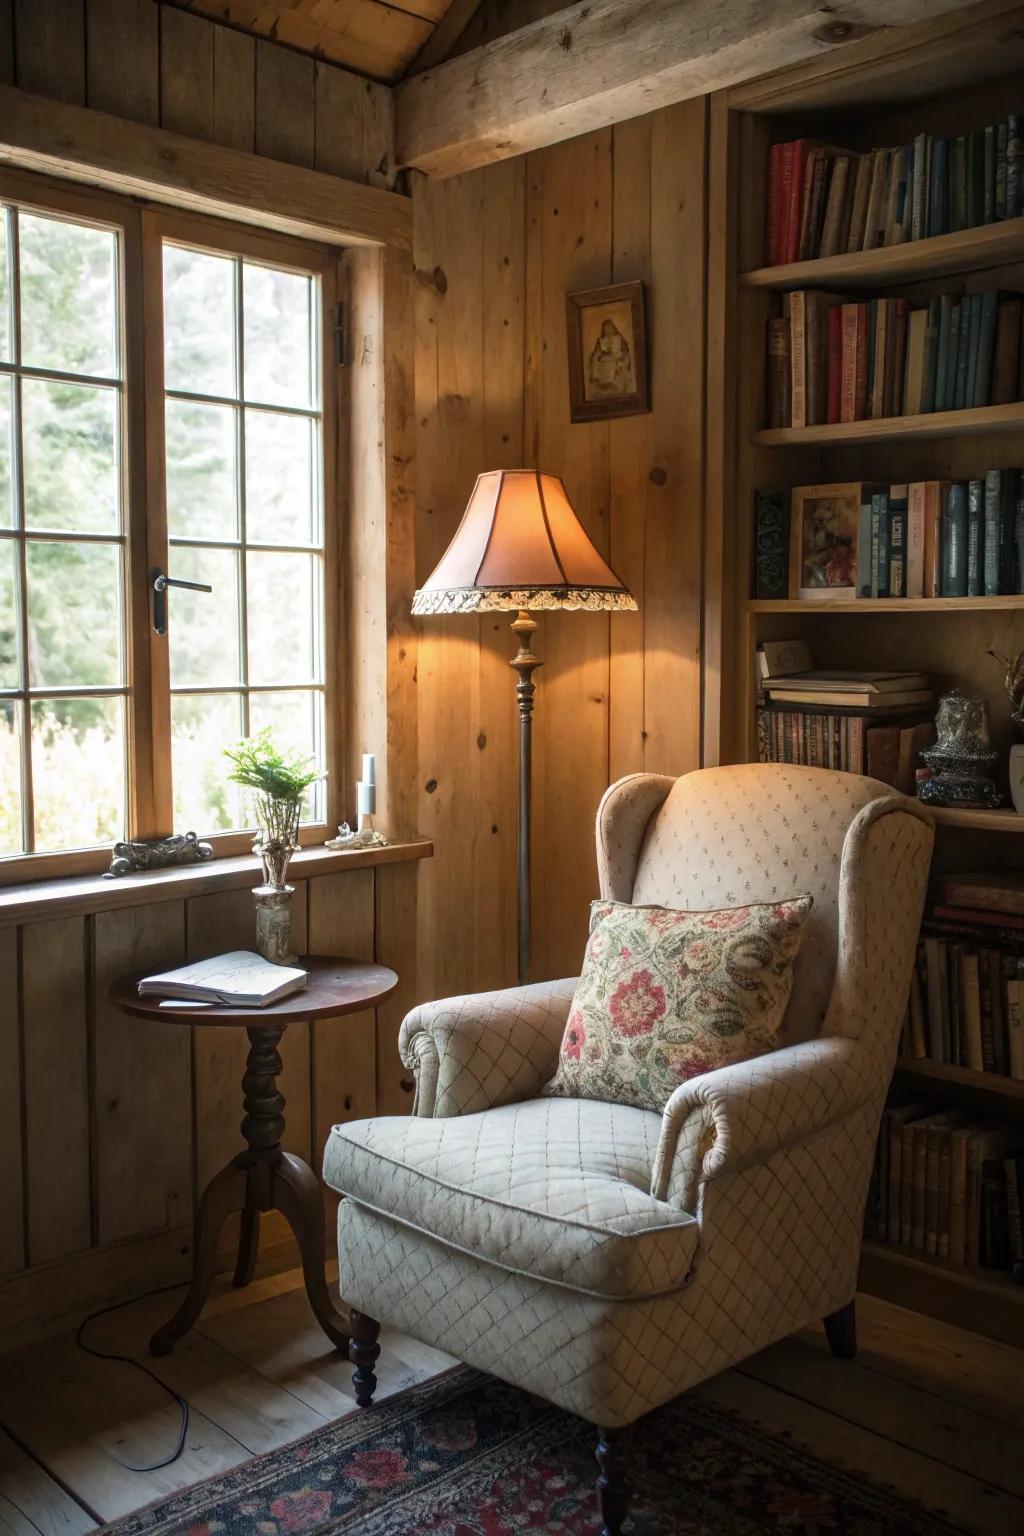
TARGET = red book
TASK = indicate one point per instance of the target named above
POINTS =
(794, 204)
(835, 362)
(861, 381)
(775, 160)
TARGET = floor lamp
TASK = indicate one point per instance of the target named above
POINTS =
(519, 546)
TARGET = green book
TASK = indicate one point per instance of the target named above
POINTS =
(958, 184)
(975, 538)
(954, 542)
(1001, 170)
(988, 317)
(942, 400)
(1018, 531)
(967, 329)
(999, 514)
(931, 357)
(989, 201)
(952, 357)
(880, 544)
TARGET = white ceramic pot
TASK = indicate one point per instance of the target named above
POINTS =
(1017, 776)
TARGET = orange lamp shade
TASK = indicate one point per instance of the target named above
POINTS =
(520, 545)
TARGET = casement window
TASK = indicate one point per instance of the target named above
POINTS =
(167, 416)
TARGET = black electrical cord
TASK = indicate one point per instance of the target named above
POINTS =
(103, 1354)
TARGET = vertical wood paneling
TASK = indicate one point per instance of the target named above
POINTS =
(50, 39)
(122, 56)
(378, 134)
(12, 1251)
(56, 1077)
(186, 73)
(285, 99)
(143, 1100)
(234, 89)
(338, 147)
(341, 923)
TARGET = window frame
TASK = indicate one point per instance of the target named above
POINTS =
(142, 228)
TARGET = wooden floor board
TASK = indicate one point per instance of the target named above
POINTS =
(929, 1410)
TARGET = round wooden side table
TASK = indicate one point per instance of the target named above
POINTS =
(264, 1177)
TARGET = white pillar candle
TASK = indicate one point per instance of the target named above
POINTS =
(366, 798)
(369, 769)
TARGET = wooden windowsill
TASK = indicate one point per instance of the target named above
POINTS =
(37, 900)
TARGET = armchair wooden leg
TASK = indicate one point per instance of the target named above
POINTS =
(363, 1351)
(613, 1447)
(841, 1331)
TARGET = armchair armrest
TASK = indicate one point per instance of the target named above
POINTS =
(471, 1053)
(739, 1116)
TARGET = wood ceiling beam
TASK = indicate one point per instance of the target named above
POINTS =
(103, 151)
(601, 61)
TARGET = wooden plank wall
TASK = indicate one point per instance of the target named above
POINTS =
(157, 64)
(496, 251)
(120, 1122)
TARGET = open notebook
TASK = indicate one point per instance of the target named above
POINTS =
(241, 979)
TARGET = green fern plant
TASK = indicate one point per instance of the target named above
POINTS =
(260, 765)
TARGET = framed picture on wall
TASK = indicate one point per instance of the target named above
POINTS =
(607, 353)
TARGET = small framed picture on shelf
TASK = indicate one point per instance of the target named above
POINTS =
(823, 548)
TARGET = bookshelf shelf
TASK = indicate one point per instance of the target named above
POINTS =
(966, 250)
(978, 821)
(1008, 603)
(945, 1072)
(952, 1292)
(898, 429)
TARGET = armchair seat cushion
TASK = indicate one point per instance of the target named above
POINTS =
(556, 1189)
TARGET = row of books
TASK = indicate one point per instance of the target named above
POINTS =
(967, 993)
(824, 200)
(948, 1183)
(943, 538)
(851, 743)
(835, 360)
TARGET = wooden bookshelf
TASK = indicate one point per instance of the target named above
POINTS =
(870, 100)
(967, 250)
(898, 429)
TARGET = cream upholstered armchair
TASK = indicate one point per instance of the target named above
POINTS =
(608, 1257)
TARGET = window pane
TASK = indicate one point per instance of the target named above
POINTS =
(280, 485)
(204, 626)
(70, 457)
(278, 333)
(202, 493)
(201, 727)
(9, 677)
(78, 772)
(10, 777)
(74, 614)
(6, 482)
(5, 288)
(68, 296)
(296, 719)
(199, 322)
(281, 613)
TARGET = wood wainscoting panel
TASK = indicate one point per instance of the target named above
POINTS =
(12, 1214)
(56, 1094)
(343, 1059)
(142, 1082)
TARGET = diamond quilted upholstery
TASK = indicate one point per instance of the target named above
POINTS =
(772, 1156)
(554, 1189)
(725, 837)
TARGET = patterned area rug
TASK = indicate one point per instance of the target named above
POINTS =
(465, 1455)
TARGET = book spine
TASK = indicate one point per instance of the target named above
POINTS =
(778, 372)
(848, 362)
(859, 205)
(798, 358)
(773, 242)
(915, 540)
(1015, 1228)
(944, 1214)
(1014, 167)
(794, 198)
(897, 540)
(919, 196)
(814, 170)
(977, 537)
(832, 223)
(945, 324)
(771, 544)
(934, 501)
(963, 352)
(1001, 170)
(896, 367)
(834, 363)
(988, 307)
(938, 189)
(958, 184)
(879, 402)
(1018, 533)
(954, 543)
(952, 357)
(865, 549)
(879, 544)
(988, 212)
(992, 514)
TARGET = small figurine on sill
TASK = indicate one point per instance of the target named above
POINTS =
(365, 834)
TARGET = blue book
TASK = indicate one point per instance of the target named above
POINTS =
(954, 542)
(880, 544)
(963, 348)
(931, 358)
(952, 356)
(989, 210)
(976, 534)
(938, 220)
(942, 400)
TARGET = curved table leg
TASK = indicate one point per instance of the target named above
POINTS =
(248, 1246)
(297, 1195)
(224, 1195)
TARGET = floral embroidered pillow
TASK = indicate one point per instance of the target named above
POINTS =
(665, 996)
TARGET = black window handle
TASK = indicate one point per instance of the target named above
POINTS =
(161, 581)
